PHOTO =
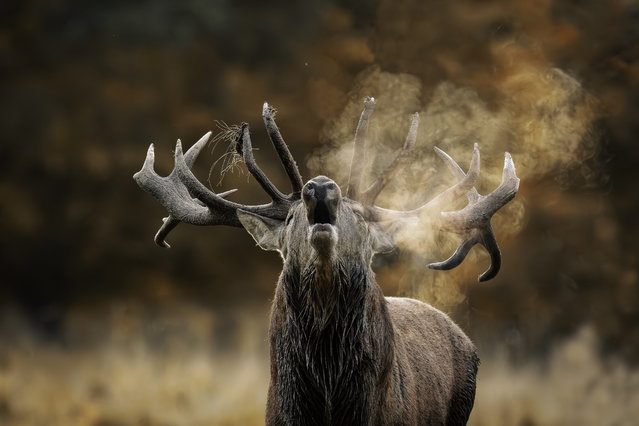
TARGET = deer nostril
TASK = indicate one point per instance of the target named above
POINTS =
(315, 191)
(309, 191)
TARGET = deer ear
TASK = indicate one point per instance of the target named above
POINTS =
(382, 241)
(265, 231)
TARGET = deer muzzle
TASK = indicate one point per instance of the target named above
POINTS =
(321, 197)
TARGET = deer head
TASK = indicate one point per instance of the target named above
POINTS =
(315, 222)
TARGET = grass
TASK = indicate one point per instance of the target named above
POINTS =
(187, 365)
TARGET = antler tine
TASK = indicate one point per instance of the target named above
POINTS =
(472, 195)
(485, 237)
(192, 153)
(373, 191)
(170, 222)
(290, 167)
(455, 191)
(473, 221)
(245, 149)
(441, 200)
(359, 151)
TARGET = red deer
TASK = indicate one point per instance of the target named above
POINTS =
(342, 353)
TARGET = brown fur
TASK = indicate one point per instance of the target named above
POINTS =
(434, 367)
(423, 374)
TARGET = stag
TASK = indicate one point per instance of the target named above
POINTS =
(342, 353)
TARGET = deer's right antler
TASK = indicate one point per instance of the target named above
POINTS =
(188, 200)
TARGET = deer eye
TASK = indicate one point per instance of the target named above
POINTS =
(359, 212)
(359, 215)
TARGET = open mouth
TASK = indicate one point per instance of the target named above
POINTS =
(321, 197)
(322, 220)
(322, 232)
(321, 215)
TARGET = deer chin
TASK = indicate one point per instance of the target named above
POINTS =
(323, 237)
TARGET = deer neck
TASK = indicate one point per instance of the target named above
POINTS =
(332, 333)
(325, 293)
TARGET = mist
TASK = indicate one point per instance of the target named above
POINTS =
(544, 118)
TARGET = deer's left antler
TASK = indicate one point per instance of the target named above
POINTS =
(472, 222)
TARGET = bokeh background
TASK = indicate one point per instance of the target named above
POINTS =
(98, 326)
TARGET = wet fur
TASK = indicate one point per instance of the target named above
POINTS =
(342, 354)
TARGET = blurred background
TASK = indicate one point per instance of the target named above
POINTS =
(98, 326)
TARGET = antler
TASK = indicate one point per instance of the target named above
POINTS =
(293, 173)
(472, 222)
(359, 151)
(369, 196)
(188, 200)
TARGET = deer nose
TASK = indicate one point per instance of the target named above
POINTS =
(321, 190)
(321, 197)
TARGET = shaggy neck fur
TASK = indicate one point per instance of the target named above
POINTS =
(331, 345)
